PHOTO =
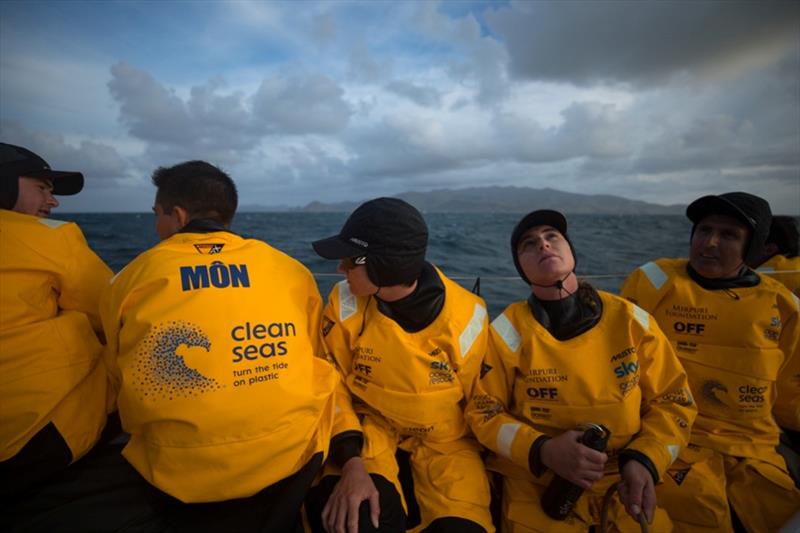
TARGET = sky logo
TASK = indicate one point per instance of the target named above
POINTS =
(626, 368)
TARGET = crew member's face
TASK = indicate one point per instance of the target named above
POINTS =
(35, 197)
(167, 224)
(718, 246)
(544, 255)
(357, 279)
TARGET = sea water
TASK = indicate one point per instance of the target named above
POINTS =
(464, 246)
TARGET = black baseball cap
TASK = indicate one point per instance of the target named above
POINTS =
(16, 161)
(751, 210)
(390, 232)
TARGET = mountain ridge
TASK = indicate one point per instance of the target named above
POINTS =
(501, 199)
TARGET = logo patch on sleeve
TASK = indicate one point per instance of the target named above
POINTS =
(327, 324)
(209, 248)
(679, 475)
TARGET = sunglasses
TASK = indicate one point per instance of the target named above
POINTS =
(352, 262)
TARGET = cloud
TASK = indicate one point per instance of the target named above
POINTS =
(150, 110)
(221, 126)
(424, 96)
(99, 163)
(643, 43)
(324, 29)
(652, 100)
(473, 57)
(301, 105)
(364, 67)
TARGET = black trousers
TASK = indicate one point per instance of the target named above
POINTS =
(103, 493)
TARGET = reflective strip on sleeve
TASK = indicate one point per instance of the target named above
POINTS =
(503, 327)
(472, 330)
(765, 269)
(52, 223)
(348, 305)
(674, 450)
(654, 274)
(642, 316)
(505, 438)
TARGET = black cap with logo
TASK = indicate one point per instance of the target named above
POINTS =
(16, 161)
(752, 211)
(390, 232)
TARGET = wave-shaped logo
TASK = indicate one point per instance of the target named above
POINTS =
(709, 390)
(161, 373)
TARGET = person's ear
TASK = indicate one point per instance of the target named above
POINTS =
(181, 215)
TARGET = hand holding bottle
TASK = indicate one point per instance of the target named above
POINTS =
(573, 461)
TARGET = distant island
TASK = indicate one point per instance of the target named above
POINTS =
(500, 200)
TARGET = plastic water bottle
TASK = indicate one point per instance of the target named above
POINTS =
(560, 496)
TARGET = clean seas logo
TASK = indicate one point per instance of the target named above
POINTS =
(161, 373)
(709, 390)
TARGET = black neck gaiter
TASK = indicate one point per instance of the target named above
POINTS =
(419, 309)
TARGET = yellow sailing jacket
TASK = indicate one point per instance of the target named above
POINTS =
(50, 369)
(417, 381)
(621, 373)
(777, 267)
(739, 347)
(214, 348)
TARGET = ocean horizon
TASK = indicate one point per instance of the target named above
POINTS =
(463, 246)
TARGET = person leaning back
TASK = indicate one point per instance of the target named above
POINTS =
(566, 356)
(214, 353)
(738, 337)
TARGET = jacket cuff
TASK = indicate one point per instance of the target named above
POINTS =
(535, 464)
(635, 455)
(345, 446)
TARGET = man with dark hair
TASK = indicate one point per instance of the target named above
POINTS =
(199, 189)
(737, 335)
(409, 343)
(53, 393)
(215, 358)
(779, 259)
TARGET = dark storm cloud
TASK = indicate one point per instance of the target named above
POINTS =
(588, 129)
(750, 122)
(98, 162)
(638, 42)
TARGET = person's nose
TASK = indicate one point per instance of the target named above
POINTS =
(51, 200)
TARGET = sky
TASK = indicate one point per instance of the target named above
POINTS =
(331, 101)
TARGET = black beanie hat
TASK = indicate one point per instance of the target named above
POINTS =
(783, 233)
(16, 161)
(392, 235)
(749, 209)
(541, 217)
